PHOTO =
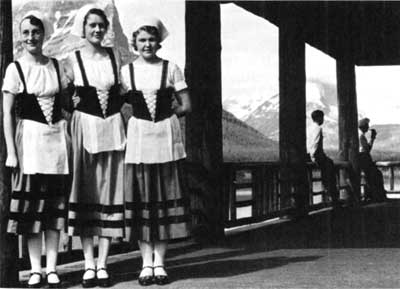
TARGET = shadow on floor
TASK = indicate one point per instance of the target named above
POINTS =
(372, 226)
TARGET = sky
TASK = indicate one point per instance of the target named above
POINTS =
(250, 49)
(250, 70)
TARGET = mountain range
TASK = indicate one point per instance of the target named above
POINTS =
(320, 95)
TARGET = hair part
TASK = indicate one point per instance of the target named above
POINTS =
(149, 29)
(317, 114)
(33, 21)
(98, 12)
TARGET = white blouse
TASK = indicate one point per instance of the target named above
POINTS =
(41, 79)
(44, 145)
(148, 141)
(99, 72)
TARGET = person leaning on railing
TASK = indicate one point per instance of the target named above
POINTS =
(375, 191)
(317, 154)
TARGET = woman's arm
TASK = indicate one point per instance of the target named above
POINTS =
(366, 146)
(183, 104)
(9, 129)
(69, 97)
(373, 137)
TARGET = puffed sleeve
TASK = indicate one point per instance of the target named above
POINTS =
(12, 82)
(125, 78)
(176, 77)
(63, 75)
(67, 68)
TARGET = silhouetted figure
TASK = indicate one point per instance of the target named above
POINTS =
(375, 190)
(317, 154)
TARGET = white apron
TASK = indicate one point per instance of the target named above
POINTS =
(154, 142)
(44, 148)
(103, 135)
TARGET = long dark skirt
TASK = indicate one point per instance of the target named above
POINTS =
(96, 203)
(157, 207)
(38, 202)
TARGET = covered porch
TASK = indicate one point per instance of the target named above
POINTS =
(290, 225)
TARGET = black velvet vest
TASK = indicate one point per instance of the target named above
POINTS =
(163, 99)
(27, 105)
(89, 102)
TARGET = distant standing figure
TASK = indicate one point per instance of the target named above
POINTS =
(375, 190)
(317, 154)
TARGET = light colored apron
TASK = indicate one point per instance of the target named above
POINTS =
(154, 142)
(103, 135)
(45, 148)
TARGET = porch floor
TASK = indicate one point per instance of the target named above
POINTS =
(347, 248)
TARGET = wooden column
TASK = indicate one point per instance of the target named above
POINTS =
(8, 243)
(348, 119)
(204, 124)
(347, 101)
(292, 113)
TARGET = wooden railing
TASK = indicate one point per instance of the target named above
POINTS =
(391, 175)
(253, 192)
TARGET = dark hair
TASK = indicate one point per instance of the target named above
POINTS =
(97, 12)
(149, 29)
(317, 114)
(33, 21)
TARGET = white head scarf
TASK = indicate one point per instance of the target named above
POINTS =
(77, 27)
(150, 21)
(48, 27)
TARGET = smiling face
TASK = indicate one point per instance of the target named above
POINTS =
(32, 36)
(147, 44)
(94, 29)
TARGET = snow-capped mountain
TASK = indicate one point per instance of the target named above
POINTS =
(320, 95)
(62, 14)
(323, 96)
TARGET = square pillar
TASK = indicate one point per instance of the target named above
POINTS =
(204, 124)
(348, 120)
(292, 113)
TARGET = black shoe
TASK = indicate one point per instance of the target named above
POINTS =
(146, 280)
(53, 285)
(103, 282)
(161, 279)
(36, 285)
(89, 283)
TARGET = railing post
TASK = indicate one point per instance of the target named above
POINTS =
(232, 193)
(392, 178)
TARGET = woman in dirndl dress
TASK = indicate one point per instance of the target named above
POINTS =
(37, 148)
(96, 203)
(156, 201)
